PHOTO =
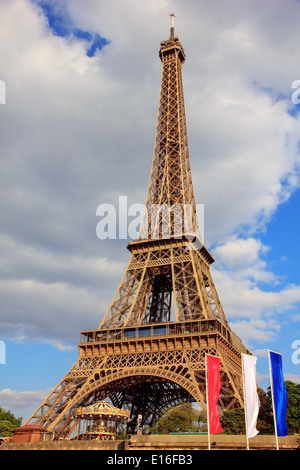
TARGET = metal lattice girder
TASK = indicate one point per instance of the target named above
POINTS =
(158, 270)
(165, 356)
(170, 185)
(139, 357)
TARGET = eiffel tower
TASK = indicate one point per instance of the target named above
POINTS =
(149, 352)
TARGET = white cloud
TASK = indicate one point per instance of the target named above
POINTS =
(252, 297)
(242, 257)
(260, 352)
(293, 378)
(255, 330)
(27, 262)
(79, 131)
(243, 298)
(11, 399)
(57, 311)
(46, 296)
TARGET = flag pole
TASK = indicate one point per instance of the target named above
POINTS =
(207, 409)
(245, 404)
(273, 404)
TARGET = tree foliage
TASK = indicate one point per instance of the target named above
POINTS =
(233, 422)
(180, 418)
(293, 409)
(8, 422)
(185, 417)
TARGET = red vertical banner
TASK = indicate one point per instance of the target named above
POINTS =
(213, 387)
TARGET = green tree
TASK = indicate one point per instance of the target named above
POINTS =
(293, 409)
(8, 422)
(233, 422)
(265, 421)
(180, 418)
(185, 417)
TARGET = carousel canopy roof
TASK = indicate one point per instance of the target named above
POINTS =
(101, 409)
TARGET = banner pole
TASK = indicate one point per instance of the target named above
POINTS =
(273, 404)
(207, 406)
(245, 403)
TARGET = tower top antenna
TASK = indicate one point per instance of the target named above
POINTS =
(172, 24)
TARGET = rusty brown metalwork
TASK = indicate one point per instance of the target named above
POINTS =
(141, 357)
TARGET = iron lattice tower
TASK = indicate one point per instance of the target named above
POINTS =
(149, 351)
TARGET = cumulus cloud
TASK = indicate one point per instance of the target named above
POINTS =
(244, 299)
(11, 399)
(78, 130)
(242, 257)
(254, 298)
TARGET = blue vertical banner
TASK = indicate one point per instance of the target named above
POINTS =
(279, 393)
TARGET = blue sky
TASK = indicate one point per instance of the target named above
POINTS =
(82, 83)
(62, 25)
(282, 235)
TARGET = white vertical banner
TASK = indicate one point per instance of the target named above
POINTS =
(250, 394)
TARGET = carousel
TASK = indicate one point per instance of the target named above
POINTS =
(101, 420)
